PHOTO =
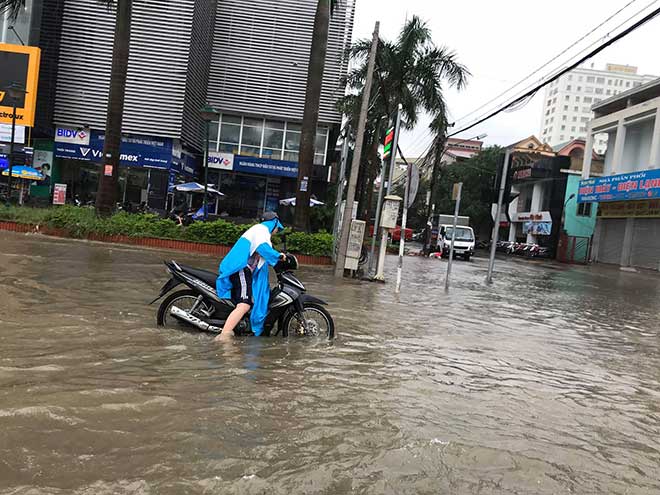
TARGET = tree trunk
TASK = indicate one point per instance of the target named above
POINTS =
(372, 173)
(311, 114)
(437, 161)
(107, 192)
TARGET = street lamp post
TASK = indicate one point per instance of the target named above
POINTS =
(208, 114)
(14, 91)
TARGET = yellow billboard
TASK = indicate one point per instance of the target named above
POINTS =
(20, 67)
(624, 209)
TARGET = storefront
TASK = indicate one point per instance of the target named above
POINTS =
(148, 166)
(628, 225)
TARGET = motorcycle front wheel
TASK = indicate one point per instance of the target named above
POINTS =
(318, 320)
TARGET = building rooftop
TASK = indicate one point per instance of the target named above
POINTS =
(624, 99)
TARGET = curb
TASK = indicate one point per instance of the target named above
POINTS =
(150, 242)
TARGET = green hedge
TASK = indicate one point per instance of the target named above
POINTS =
(80, 222)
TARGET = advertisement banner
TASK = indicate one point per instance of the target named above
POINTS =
(265, 166)
(537, 228)
(221, 161)
(20, 66)
(630, 209)
(135, 150)
(5, 134)
(43, 162)
(621, 187)
(59, 194)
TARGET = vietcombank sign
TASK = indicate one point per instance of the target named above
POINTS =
(19, 67)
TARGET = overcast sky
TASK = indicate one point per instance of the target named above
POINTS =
(501, 42)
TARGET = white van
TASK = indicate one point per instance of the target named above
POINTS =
(463, 241)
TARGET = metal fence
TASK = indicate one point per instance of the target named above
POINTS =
(574, 249)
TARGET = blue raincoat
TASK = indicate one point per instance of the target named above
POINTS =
(255, 239)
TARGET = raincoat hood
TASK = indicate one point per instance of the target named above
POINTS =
(273, 224)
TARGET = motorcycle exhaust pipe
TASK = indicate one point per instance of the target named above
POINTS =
(182, 315)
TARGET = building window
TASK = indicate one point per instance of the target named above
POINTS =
(627, 84)
(568, 87)
(586, 109)
(587, 99)
(608, 92)
(579, 88)
(609, 82)
(579, 79)
(637, 84)
(584, 209)
(577, 98)
(584, 119)
(576, 109)
(599, 91)
(583, 129)
(570, 77)
(549, 102)
(567, 98)
(574, 118)
(561, 137)
(600, 80)
(565, 107)
(563, 117)
(572, 137)
(590, 79)
(273, 139)
(573, 128)
(589, 89)
(563, 128)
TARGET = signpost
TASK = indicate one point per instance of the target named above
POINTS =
(498, 211)
(355, 240)
(456, 196)
(59, 194)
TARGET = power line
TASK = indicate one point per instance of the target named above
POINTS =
(550, 61)
(594, 52)
(575, 55)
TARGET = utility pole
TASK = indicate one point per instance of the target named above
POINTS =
(380, 268)
(458, 191)
(336, 227)
(498, 212)
(357, 155)
(379, 206)
(404, 220)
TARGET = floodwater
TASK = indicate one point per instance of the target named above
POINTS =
(547, 382)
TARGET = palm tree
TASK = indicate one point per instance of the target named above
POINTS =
(107, 191)
(410, 71)
(106, 196)
(315, 70)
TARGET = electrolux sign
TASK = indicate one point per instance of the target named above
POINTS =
(136, 150)
(265, 166)
(622, 187)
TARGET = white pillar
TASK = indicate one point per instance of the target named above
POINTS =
(620, 140)
(626, 251)
(588, 153)
(654, 161)
(537, 204)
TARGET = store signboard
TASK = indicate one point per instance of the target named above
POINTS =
(59, 194)
(630, 209)
(135, 150)
(72, 135)
(621, 187)
(265, 166)
(526, 216)
(221, 161)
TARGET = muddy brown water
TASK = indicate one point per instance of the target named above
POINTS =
(547, 382)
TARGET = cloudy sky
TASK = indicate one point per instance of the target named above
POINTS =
(502, 42)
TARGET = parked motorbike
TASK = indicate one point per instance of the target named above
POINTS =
(291, 309)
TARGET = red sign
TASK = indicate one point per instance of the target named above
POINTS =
(108, 171)
(59, 194)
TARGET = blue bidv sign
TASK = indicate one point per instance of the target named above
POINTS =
(621, 187)
(265, 166)
(135, 150)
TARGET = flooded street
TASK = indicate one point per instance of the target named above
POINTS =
(547, 382)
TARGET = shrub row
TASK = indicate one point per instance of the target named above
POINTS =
(80, 222)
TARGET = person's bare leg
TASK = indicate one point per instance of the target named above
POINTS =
(234, 318)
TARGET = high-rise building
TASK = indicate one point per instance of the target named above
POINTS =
(568, 101)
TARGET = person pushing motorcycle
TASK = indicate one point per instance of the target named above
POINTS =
(243, 275)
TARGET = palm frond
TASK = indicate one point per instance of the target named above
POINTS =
(12, 7)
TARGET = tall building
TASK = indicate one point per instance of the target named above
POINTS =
(247, 59)
(568, 101)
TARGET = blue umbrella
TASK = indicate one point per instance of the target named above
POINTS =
(23, 172)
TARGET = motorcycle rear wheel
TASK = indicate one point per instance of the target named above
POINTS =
(183, 299)
(318, 319)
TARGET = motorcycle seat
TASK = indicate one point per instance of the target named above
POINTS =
(203, 275)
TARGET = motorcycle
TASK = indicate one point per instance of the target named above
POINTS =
(295, 312)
